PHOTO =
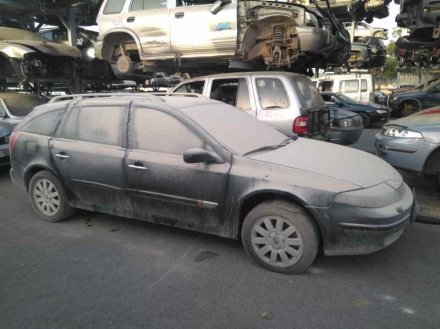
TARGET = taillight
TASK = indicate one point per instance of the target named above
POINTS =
(13, 140)
(300, 125)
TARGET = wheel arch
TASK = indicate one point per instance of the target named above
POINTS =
(413, 100)
(32, 170)
(115, 37)
(253, 199)
(432, 163)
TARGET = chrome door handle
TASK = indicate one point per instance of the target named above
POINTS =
(130, 19)
(62, 156)
(179, 15)
(137, 167)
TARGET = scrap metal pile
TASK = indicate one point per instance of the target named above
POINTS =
(421, 47)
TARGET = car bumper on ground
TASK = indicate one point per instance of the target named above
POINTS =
(344, 136)
(349, 230)
(405, 153)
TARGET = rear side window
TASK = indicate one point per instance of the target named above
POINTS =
(147, 4)
(349, 86)
(43, 124)
(195, 87)
(102, 125)
(113, 7)
(364, 85)
(272, 94)
(160, 132)
(311, 97)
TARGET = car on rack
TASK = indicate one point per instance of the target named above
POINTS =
(26, 57)
(403, 103)
(413, 142)
(200, 164)
(13, 108)
(196, 36)
(161, 80)
(287, 101)
(371, 113)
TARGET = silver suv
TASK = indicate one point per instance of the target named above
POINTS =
(138, 36)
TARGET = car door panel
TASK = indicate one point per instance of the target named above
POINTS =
(161, 185)
(171, 190)
(197, 32)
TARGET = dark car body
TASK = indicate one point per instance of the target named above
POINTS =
(371, 113)
(13, 107)
(408, 102)
(140, 163)
(345, 126)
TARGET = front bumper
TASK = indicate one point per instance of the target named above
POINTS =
(344, 136)
(4, 155)
(379, 117)
(405, 153)
(350, 230)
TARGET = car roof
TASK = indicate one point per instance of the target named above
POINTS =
(245, 74)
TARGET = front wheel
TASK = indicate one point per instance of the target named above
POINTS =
(48, 197)
(280, 236)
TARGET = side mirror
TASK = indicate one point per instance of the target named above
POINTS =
(218, 5)
(197, 155)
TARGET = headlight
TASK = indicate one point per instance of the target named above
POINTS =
(5, 139)
(396, 131)
(91, 52)
(373, 197)
(381, 111)
(345, 123)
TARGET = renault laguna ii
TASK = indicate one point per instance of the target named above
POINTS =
(202, 165)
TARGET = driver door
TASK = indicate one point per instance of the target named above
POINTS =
(195, 32)
(162, 187)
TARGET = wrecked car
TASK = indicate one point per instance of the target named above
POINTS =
(367, 49)
(206, 36)
(27, 57)
(422, 45)
(13, 108)
(200, 164)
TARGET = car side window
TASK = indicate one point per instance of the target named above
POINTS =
(113, 7)
(271, 94)
(43, 124)
(195, 87)
(349, 86)
(185, 3)
(364, 85)
(147, 4)
(102, 125)
(231, 91)
(68, 126)
(160, 132)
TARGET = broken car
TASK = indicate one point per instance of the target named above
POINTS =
(206, 36)
(27, 57)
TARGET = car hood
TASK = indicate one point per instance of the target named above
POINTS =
(340, 113)
(407, 93)
(338, 162)
(422, 118)
(47, 47)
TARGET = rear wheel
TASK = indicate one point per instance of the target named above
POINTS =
(366, 121)
(280, 236)
(408, 108)
(48, 197)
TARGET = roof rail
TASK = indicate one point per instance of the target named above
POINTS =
(179, 94)
(95, 95)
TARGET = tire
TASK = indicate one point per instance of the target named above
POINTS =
(48, 197)
(266, 244)
(366, 121)
(409, 108)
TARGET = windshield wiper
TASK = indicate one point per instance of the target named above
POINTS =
(273, 147)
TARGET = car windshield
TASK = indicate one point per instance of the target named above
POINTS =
(22, 105)
(311, 96)
(236, 130)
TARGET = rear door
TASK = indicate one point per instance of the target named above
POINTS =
(162, 187)
(150, 20)
(89, 151)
